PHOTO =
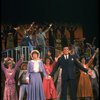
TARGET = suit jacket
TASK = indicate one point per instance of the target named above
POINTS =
(68, 67)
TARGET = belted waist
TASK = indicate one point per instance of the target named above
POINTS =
(9, 82)
(35, 72)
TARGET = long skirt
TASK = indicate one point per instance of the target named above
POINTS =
(84, 86)
(10, 92)
(49, 89)
(35, 87)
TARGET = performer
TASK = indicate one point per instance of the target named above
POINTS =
(22, 81)
(35, 68)
(95, 81)
(67, 62)
(48, 84)
(85, 90)
(10, 92)
(41, 39)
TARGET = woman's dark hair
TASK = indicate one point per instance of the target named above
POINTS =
(49, 59)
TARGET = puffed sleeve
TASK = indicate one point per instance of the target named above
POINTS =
(3, 67)
(42, 69)
(28, 70)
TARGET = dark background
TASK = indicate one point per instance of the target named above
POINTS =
(84, 12)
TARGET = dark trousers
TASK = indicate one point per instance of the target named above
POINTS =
(95, 87)
(72, 83)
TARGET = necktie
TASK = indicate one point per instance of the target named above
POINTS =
(67, 56)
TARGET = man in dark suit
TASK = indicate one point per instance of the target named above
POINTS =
(68, 63)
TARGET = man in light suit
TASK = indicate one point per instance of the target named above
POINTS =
(68, 63)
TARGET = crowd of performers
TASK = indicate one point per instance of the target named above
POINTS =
(74, 72)
(36, 77)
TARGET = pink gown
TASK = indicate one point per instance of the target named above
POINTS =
(10, 92)
(48, 84)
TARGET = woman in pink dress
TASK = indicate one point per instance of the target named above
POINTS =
(48, 83)
(10, 92)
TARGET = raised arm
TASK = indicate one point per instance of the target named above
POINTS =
(53, 64)
(56, 59)
(48, 28)
(44, 32)
(30, 27)
(55, 68)
(3, 66)
(19, 62)
(92, 58)
(80, 66)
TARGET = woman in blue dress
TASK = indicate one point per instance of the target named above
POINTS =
(35, 68)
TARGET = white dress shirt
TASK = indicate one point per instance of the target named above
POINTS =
(66, 56)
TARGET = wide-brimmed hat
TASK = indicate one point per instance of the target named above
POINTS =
(35, 51)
